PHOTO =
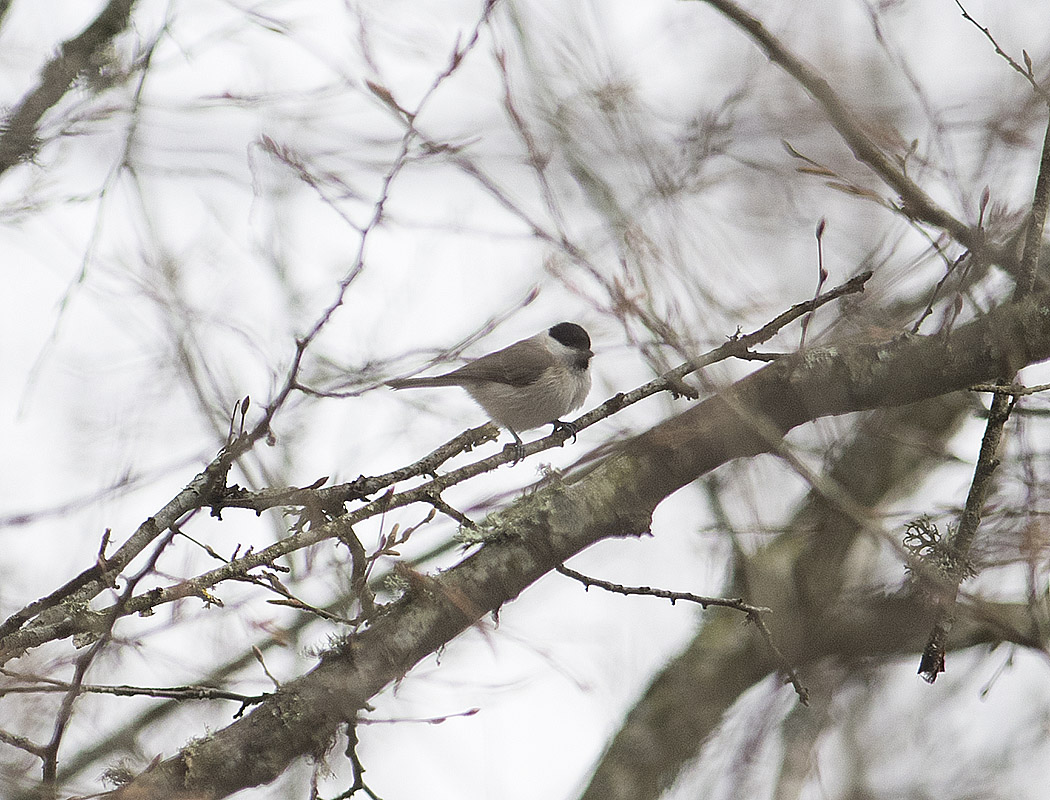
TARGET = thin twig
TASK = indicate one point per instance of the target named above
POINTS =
(356, 767)
(449, 511)
(754, 616)
(703, 601)
(822, 275)
(1013, 389)
(48, 686)
(83, 663)
(22, 743)
(1026, 71)
(1003, 400)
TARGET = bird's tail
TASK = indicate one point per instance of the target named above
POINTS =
(417, 383)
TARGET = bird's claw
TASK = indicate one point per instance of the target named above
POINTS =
(519, 452)
(518, 448)
(565, 426)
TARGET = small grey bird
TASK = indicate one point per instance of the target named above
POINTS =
(528, 384)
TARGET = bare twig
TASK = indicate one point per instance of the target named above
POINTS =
(22, 743)
(932, 661)
(470, 712)
(449, 511)
(356, 766)
(83, 663)
(1025, 71)
(754, 615)
(965, 258)
(737, 604)
(822, 276)
(1013, 389)
(43, 685)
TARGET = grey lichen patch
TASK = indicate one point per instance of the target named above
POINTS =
(520, 518)
(91, 624)
(118, 774)
(924, 540)
(818, 357)
(84, 638)
(396, 583)
(479, 534)
(76, 607)
(287, 707)
(191, 753)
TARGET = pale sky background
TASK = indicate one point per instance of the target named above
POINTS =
(208, 246)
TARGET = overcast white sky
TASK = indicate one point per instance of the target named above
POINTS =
(205, 256)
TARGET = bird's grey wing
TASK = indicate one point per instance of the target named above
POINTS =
(517, 365)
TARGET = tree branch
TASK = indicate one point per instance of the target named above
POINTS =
(18, 133)
(916, 202)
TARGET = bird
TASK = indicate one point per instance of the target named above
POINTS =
(528, 384)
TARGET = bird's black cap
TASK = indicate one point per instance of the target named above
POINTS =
(571, 335)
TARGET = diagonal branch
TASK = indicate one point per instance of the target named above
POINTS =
(916, 202)
(1025, 71)
(18, 132)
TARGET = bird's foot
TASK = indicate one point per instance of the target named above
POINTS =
(565, 426)
(518, 447)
